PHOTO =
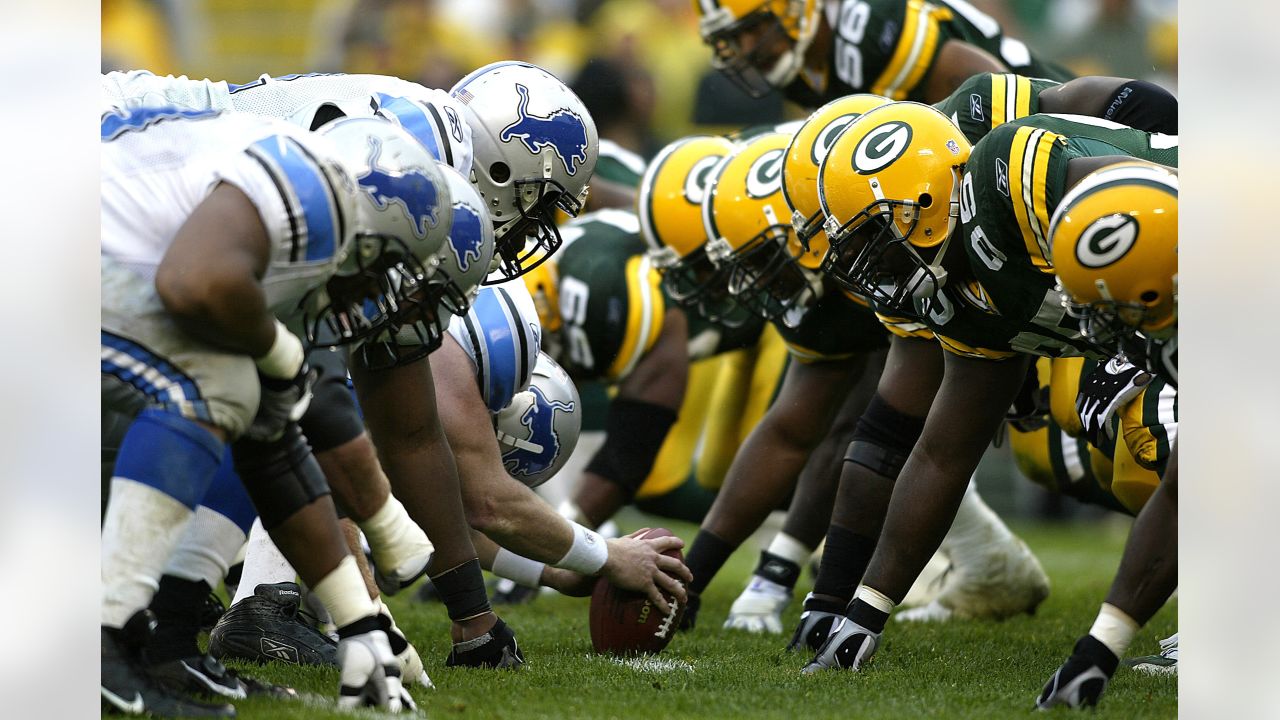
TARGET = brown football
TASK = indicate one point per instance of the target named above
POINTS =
(626, 623)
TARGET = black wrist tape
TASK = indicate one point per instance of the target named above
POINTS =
(867, 616)
(635, 431)
(778, 569)
(359, 627)
(462, 590)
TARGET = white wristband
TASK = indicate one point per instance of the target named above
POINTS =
(517, 568)
(588, 553)
(285, 357)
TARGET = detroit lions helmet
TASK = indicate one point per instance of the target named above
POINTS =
(535, 149)
(401, 223)
(538, 431)
(465, 259)
(501, 335)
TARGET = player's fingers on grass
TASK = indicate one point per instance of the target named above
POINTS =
(673, 566)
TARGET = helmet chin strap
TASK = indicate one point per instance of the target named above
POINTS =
(930, 285)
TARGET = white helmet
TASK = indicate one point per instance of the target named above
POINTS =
(402, 219)
(538, 431)
(535, 149)
(465, 259)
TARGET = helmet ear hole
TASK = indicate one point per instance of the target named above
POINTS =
(1149, 297)
(500, 172)
(925, 200)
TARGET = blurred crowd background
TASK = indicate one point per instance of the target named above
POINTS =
(638, 65)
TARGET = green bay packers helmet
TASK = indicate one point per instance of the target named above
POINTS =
(1114, 239)
(800, 170)
(758, 44)
(670, 210)
(890, 191)
(748, 224)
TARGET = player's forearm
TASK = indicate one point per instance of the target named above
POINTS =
(227, 312)
(509, 513)
(1148, 572)
(762, 475)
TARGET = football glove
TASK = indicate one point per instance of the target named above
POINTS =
(815, 624)
(370, 674)
(1103, 392)
(494, 649)
(1082, 678)
(1030, 409)
(281, 401)
(759, 608)
(849, 646)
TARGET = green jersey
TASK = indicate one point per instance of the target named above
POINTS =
(989, 100)
(618, 164)
(834, 328)
(1001, 298)
(612, 304)
(888, 47)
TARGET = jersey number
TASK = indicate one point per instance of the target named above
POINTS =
(853, 24)
(573, 312)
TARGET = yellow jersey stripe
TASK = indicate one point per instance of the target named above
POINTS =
(911, 57)
(956, 347)
(645, 312)
(999, 102)
(905, 328)
(1022, 108)
(1028, 171)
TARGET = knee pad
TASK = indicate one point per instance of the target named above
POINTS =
(170, 453)
(1145, 106)
(883, 438)
(333, 418)
(282, 477)
(636, 431)
(227, 495)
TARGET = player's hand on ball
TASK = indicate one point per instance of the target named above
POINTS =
(370, 672)
(639, 565)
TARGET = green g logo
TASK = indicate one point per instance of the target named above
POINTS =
(1106, 240)
(881, 146)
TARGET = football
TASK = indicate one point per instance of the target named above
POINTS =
(625, 623)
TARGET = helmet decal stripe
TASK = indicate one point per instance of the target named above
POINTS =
(412, 118)
(443, 134)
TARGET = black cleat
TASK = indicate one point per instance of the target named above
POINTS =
(203, 676)
(270, 626)
(128, 689)
(690, 617)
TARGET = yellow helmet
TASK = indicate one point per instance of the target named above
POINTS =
(670, 210)
(800, 171)
(543, 282)
(758, 65)
(747, 221)
(1114, 239)
(890, 190)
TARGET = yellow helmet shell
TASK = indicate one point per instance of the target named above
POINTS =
(800, 171)
(1114, 241)
(745, 199)
(543, 282)
(901, 160)
(671, 194)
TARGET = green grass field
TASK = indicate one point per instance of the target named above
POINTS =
(953, 670)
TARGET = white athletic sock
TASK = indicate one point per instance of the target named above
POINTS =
(789, 548)
(263, 564)
(1114, 628)
(398, 544)
(140, 530)
(973, 532)
(207, 549)
(343, 593)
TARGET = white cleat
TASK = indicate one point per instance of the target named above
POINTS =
(933, 612)
(1166, 663)
(1004, 580)
(759, 608)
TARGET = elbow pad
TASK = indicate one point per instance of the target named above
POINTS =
(1145, 106)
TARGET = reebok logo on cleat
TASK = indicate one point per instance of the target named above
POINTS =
(279, 650)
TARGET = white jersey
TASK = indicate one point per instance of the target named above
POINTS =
(159, 164)
(431, 116)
